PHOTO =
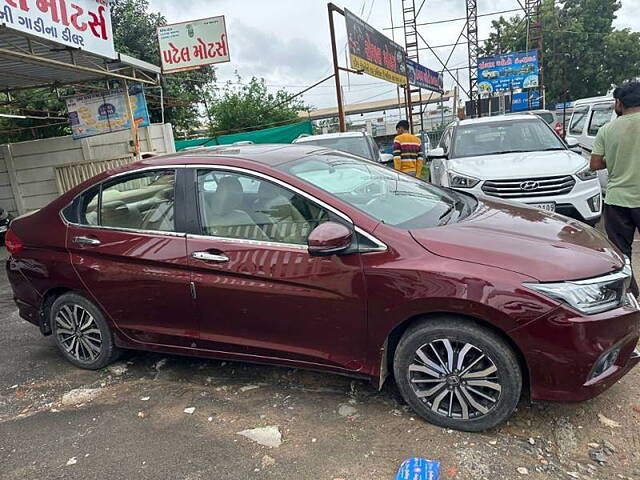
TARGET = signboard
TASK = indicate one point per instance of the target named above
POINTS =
(192, 45)
(423, 77)
(84, 24)
(525, 101)
(372, 52)
(106, 112)
(513, 71)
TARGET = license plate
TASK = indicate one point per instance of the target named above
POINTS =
(549, 207)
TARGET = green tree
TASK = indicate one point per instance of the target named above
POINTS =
(246, 107)
(583, 53)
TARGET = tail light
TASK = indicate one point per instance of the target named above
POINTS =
(558, 128)
(13, 242)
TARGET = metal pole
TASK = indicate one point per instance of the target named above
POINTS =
(162, 103)
(334, 51)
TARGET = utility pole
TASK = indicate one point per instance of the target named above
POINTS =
(336, 69)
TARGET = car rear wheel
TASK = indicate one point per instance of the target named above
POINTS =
(81, 332)
(457, 374)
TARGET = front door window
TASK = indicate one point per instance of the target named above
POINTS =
(238, 206)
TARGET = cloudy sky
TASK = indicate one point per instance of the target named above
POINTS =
(287, 41)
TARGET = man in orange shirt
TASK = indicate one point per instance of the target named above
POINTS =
(407, 151)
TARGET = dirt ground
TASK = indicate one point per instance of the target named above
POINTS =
(130, 423)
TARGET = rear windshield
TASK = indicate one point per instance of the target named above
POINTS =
(546, 116)
(354, 145)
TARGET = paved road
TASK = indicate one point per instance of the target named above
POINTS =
(132, 423)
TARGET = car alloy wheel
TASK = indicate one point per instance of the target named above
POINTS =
(456, 373)
(455, 379)
(78, 333)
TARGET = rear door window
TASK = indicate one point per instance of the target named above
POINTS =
(578, 120)
(139, 201)
(600, 116)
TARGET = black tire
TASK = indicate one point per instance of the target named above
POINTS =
(454, 389)
(80, 354)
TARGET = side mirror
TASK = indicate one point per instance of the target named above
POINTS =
(329, 238)
(386, 157)
(438, 153)
(573, 145)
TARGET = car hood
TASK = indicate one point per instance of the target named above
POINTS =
(545, 246)
(519, 165)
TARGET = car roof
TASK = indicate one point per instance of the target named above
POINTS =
(590, 100)
(499, 118)
(329, 136)
(266, 154)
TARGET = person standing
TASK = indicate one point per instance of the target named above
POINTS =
(617, 148)
(407, 151)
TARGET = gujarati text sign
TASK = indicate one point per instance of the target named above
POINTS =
(191, 45)
(84, 24)
(374, 53)
(423, 77)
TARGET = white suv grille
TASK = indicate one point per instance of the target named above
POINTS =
(529, 187)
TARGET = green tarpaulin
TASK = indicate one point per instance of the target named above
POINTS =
(284, 134)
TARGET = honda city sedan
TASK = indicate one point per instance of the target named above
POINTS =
(306, 257)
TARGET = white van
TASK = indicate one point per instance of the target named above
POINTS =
(589, 115)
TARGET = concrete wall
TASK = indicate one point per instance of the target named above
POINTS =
(27, 175)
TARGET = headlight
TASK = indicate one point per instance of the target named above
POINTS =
(462, 181)
(587, 174)
(589, 296)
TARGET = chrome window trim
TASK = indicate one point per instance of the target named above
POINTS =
(129, 230)
(244, 241)
(380, 246)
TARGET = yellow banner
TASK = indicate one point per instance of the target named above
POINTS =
(374, 70)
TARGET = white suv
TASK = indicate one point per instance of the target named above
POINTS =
(519, 158)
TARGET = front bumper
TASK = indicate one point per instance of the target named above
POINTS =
(563, 347)
(574, 204)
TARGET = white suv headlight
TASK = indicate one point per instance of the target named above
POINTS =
(591, 296)
(462, 181)
(587, 174)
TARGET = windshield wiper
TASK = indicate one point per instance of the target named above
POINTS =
(551, 149)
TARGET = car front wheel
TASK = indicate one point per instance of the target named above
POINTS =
(457, 374)
(81, 332)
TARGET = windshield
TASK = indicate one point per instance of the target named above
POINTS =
(354, 145)
(380, 192)
(495, 138)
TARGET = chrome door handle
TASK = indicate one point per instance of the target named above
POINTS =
(210, 257)
(90, 241)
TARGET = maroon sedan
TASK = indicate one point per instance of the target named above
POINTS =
(311, 258)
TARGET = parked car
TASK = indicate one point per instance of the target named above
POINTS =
(589, 115)
(312, 258)
(548, 116)
(5, 220)
(356, 143)
(517, 157)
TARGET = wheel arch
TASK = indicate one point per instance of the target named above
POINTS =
(392, 340)
(48, 299)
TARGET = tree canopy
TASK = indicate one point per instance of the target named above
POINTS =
(250, 106)
(583, 52)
